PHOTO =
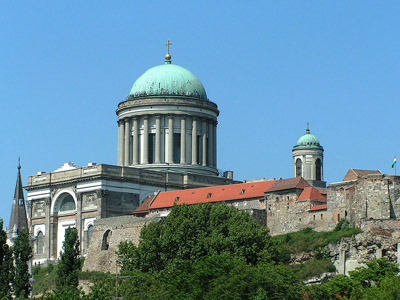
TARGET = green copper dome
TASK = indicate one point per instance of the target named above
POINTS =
(308, 141)
(168, 80)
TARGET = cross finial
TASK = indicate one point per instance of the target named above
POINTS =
(19, 163)
(308, 127)
(168, 56)
(168, 44)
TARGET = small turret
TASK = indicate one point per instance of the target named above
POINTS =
(18, 220)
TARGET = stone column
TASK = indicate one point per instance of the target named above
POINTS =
(120, 143)
(145, 147)
(126, 143)
(183, 140)
(170, 139)
(135, 142)
(211, 143)
(47, 246)
(79, 220)
(158, 140)
(215, 144)
(194, 142)
(204, 130)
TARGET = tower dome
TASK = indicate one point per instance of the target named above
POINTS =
(167, 123)
(308, 157)
(168, 80)
(308, 141)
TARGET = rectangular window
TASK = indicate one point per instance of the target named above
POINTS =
(199, 149)
(177, 148)
(152, 148)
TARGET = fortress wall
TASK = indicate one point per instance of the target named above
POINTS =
(108, 234)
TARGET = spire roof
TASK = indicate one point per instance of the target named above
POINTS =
(18, 220)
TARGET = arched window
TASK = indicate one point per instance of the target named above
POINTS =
(89, 235)
(318, 169)
(39, 243)
(67, 203)
(298, 167)
(105, 244)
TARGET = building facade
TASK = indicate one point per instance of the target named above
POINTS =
(167, 140)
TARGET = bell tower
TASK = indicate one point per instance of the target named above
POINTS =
(308, 159)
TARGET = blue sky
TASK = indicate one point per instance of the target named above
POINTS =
(271, 66)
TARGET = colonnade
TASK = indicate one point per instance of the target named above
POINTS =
(153, 139)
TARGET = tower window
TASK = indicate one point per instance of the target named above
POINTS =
(318, 170)
(39, 243)
(89, 234)
(177, 148)
(298, 167)
(199, 149)
(152, 148)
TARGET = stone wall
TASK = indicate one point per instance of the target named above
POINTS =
(108, 234)
(355, 251)
(285, 214)
(370, 197)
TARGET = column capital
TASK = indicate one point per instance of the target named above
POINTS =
(183, 117)
(146, 117)
(170, 116)
(158, 117)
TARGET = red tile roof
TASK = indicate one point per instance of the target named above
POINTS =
(318, 207)
(238, 191)
(310, 193)
(288, 184)
(143, 209)
(353, 174)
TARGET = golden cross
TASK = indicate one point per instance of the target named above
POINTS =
(168, 44)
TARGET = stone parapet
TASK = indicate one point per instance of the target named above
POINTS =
(126, 174)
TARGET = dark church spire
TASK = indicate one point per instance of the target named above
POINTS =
(18, 220)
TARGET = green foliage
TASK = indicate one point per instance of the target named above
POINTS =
(45, 279)
(313, 267)
(374, 272)
(67, 292)
(377, 280)
(22, 254)
(69, 264)
(6, 265)
(195, 232)
(308, 240)
(205, 252)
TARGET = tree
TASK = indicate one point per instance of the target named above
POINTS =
(6, 265)
(205, 252)
(193, 232)
(69, 264)
(22, 254)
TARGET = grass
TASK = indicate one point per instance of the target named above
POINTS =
(45, 278)
(313, 267)
(308, 240)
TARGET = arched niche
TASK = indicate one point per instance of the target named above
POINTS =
(105, 243)
(65, 201)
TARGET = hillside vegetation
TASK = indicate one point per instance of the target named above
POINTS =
(313, 242)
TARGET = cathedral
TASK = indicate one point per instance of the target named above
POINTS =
(167, 154)
(167, 140)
